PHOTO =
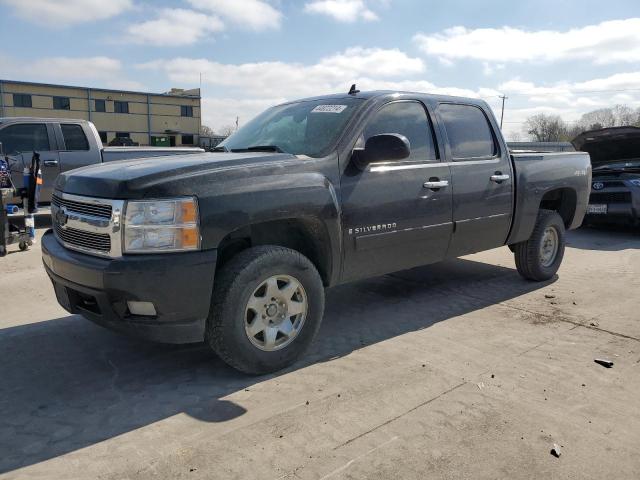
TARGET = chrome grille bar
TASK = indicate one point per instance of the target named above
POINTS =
(96, 210)
(87, 224)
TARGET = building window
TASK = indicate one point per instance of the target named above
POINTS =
(123, 135)
(74, 137)
(121, 107)
(187, 139)
(100, 106)
(61, 103)
(186, 111)
(21, 100)
(103, 137)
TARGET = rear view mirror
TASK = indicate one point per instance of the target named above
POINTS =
(384, 147)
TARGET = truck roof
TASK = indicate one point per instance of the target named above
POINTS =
(366, 95)
(39, 119)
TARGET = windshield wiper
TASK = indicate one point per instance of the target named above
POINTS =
(221, 148)
(259, 148)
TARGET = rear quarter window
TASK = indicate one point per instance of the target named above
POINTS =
(470, 135)
(74, 137)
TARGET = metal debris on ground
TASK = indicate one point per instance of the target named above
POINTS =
(604, 362)
(555, 451)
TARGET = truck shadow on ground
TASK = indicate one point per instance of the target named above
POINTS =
(608, 238)
(68, 384)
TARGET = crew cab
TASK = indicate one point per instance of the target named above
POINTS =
(64, 144)
(236, 247)
(615, 190)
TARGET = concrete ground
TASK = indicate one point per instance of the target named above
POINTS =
(460, 370)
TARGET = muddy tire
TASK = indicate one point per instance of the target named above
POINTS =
(540, 257)
(266, 308)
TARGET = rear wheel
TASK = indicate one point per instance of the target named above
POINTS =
(540, 257)
(266, 308)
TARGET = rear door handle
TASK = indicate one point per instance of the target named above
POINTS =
(436, 184)
(499, 177)
(50, 163)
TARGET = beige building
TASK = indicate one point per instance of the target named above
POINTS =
(171, 118)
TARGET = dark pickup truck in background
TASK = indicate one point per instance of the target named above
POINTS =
(615, 189)
(235, 247)
(64, 144)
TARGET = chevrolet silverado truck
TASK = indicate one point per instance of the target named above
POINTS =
(63, 144)
(615, 189)
(235, 247)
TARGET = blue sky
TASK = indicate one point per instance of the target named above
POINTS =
(547, 56)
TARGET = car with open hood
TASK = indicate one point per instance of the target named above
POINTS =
(615, 187)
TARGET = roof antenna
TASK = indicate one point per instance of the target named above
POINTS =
(353, 90)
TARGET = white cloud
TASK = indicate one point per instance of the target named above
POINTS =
(568, 99)
(342, 10)
(174, 27)
(606, 42)
(252, 14)
(219, 112)
(55, 13)
(291, 80)
(96, 71)
(81, 68)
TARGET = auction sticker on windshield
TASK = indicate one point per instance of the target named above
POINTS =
(329, 109)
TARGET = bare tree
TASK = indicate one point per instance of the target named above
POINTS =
(616, 116)
(546, 128)
(206, 131)
(226, 130)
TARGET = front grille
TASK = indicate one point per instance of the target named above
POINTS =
(84, 208)
(610, 197)
(100, 242)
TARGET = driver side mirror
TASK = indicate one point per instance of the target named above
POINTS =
(383, 147)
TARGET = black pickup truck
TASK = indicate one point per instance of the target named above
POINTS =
(235, 247)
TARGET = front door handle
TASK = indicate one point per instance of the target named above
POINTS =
(436, 184)
(499, 177)
(50, 163)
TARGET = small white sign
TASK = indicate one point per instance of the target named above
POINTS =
(602, 209)
(329, 109)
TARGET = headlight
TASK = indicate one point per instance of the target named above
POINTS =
(157, 226)
(635, 181)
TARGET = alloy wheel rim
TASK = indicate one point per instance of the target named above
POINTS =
(549, 246)
(275, 312)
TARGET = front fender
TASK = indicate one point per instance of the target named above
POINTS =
(242, 202)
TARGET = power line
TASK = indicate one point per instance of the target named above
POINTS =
(574, 92)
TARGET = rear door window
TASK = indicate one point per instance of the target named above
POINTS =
(409, 119)
(468, 130)
(74, 137)
(24, 137)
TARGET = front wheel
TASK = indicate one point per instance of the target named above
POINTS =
(540, 257)
(266, 308)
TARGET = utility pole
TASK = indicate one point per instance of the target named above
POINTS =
(503, 97)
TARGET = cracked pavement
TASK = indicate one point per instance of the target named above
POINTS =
(456, 370)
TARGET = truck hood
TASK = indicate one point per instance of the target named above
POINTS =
(143, 176)
(610, 145)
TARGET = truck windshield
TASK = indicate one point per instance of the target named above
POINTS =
(301, 128)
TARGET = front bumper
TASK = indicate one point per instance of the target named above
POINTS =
(178, 284)
(619, 213)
